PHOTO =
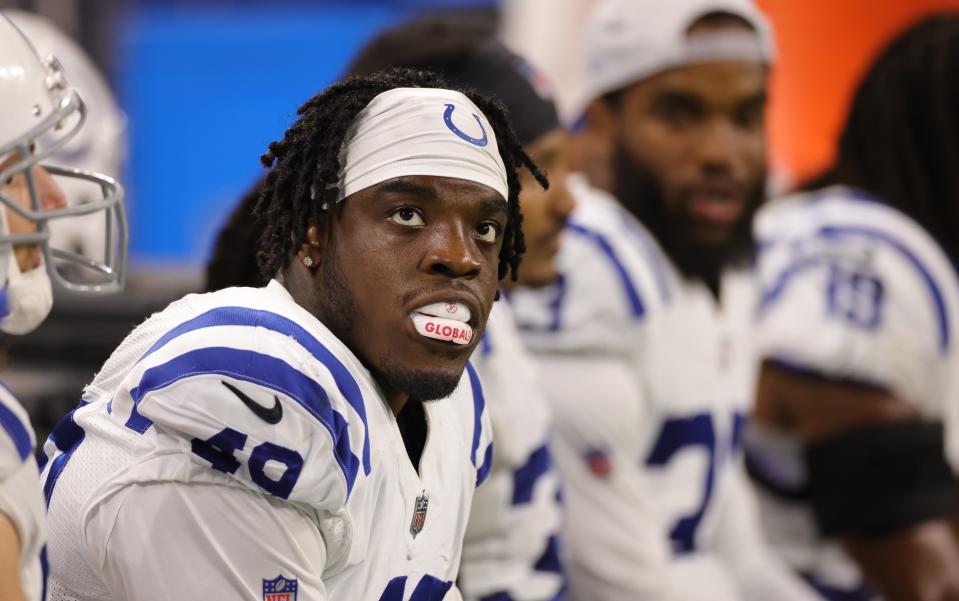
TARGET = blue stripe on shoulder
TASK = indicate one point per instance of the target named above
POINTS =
(66, 437)
(769, 296)
(632, 294)
(652, 252)
(244, 316)
(17, 431)
(263, 370)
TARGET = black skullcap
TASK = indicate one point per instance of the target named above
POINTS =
(492, 69)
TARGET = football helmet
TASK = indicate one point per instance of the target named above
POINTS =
(39, 113)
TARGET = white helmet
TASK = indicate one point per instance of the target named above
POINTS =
(39, 113)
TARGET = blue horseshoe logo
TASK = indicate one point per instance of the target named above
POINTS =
(448, 118)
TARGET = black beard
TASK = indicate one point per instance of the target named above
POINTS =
(340, 319)
(421, 385)
(637, 189)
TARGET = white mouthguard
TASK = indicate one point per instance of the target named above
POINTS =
(447, 310)
(442, 329)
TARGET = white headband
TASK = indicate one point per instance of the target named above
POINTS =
(420, 131)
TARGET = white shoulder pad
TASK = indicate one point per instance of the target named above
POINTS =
(17, 440)
(853, 289)
(251, 385)
(612, 275)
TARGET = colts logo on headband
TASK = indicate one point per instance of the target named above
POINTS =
(448, 118)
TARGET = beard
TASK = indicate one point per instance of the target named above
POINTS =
(389, 371)
(421, 384)
(639, 190)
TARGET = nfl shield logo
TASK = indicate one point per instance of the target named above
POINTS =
(279, 589)
(419, 514)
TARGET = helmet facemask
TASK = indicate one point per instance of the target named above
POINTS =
(101, 274)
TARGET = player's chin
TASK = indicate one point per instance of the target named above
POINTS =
(429, 384)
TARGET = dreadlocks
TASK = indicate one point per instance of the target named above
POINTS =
(305, 165)
(901, 139)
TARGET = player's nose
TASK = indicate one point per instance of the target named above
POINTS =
(452, 252)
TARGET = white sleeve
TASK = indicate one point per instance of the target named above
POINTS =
(616, 546)
(742, 546)
(213, 542)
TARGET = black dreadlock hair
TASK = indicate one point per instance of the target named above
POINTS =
(901, 138)
(305, 164)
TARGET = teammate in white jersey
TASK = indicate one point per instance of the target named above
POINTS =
(39, 113)
(855, 436)
(296, 441)
(645, 341)
(512, 546)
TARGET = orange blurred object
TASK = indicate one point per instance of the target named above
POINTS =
(824, 48)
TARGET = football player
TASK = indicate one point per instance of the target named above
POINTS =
(99, 146)
(39, 113)
(645, 341)
(512, 547)
(319, 437)
(854, 435)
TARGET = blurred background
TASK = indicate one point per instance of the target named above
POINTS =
(185, 95)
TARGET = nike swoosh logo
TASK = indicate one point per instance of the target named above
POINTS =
(271, 415)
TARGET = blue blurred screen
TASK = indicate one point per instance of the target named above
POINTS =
(206, 89)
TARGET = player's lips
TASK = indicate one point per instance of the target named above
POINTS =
(719, 204)
(447, 320)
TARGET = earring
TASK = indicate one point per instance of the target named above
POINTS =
(308, 261)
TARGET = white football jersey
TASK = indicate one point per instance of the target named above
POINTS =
(233, 448)
(850, 289)
(650, 379)
(20, 497)
(512, 549)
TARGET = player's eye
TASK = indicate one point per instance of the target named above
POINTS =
(487, 232)
(407, 216)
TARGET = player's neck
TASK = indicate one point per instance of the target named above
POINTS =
(395, 399)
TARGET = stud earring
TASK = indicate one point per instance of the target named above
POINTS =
(308, 261)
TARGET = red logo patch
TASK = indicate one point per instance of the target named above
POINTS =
(598, 463)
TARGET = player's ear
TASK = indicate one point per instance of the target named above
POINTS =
(311, 251)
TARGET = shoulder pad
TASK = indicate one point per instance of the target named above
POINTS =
(854, 289)
(612, 275)
(253, 390)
